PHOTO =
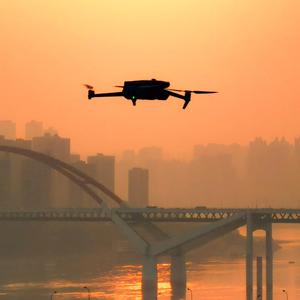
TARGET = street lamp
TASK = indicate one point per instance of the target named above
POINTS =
(53, 294)
(191, 293)
(287, 296)
(89, 292)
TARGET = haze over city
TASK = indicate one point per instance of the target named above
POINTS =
(211, 193)
(258, 174)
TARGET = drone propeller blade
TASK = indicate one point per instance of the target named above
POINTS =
(195, 92)
(119, 86)
(89, 87)
(203, 92)
(176, 90)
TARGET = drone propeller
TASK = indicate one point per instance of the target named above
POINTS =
(203, 92)
(89, 87)
(119, 86)
(195, 92)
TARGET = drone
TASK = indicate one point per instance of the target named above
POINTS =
(147, 90)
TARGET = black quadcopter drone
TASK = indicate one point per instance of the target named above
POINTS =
(147, 90)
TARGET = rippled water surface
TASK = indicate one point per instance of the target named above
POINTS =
(213, 279)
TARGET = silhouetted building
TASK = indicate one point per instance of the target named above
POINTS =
(74, 158)
(51, 131)
(59, 148)
(15, 143)
(102, 168)
(5, 179)
(126, 161)
(297, 147)
(150, 154)
(8, 129)
(52, 145)
(30, 181)
(78, 197)
(128, 156)
(138, 187)
(35, 184)
(213, 180)
(11, 172)
(33, 129)
(210, 150)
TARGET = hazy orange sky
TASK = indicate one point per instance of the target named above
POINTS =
(248, 50)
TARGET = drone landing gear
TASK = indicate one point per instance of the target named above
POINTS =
(134, 102)
(187, 99)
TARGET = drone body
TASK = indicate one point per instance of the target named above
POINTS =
(147, 90)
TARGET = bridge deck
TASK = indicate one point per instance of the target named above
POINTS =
(150, 214)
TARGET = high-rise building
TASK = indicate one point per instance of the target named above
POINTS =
(35, 184)
(59, 148)
(5, 179)
(77, 196)
(8, 129)
(150, 154)
(15, 143)
(138, 187)
(74, 158)
(51, 131)
(29, 180)
(128, 156)
(11, 170)
(52, 145)
(102, 168)
(33, 129)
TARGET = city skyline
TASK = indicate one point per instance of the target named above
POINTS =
(258, 174)
(187, 155)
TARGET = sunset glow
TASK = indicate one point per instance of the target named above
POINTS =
(248, 51)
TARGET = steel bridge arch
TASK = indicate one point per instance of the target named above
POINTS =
(90, 186)
(84, 181)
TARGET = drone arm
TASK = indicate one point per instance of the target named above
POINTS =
(91, 94)
(186, 97)
(176, 95)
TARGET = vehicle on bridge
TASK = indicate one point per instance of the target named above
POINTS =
(147, 90)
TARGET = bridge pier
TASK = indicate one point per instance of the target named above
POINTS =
(149, 278)
(178, 276)
(266, 225)
(249, 258)
(269, 261)
(259, 279)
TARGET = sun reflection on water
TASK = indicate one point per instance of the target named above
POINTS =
(211, 280)
(122, 282)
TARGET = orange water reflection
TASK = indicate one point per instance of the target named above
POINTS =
(213, 280)
(123, 282)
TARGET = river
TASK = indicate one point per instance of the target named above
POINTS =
(214, 279)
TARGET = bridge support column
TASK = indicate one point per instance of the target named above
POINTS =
(178, 276)
(249, 258)
(269, 261)
(149, 278)
(259, 291)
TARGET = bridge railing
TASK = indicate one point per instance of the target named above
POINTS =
(137, 215)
